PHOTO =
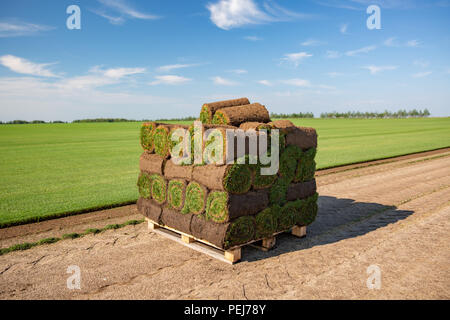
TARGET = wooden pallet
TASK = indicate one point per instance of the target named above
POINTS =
(231, 255)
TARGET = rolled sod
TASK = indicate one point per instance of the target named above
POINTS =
(306, 166)
(241, 230)
(235, 116)
(147, 133)
(222, 207)
(161, 140)
(152, 163)
(301, 190)
(158, 188)
(288, 215)
(308, 210)
(195, 199)
(176, 220)
(255, 126)
(176, 192)
(173, 171)
(150, 209)
(262, 181)
(266, 224)
(144, 185)
(278, 191)
(233, 178)
(289, 161)
(177, 142)
(209, 109)
(304, 138)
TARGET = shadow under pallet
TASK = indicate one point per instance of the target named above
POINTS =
(231, 255)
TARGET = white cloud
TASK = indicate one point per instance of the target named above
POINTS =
(170, 67)
(377, 69)
(239, 71)
(169, 79)
(253, 38)
(312, 43)
(390, 42)
(334, 74)
(223, 82)
(24, 66)
(359, 51)
(297, 82)
(421, 74)
(265, 82)
(343, 28)
(421, 63)
(124, 9)
(228, 14)
(296, 58)
(18, 28)
(413, 43)
(333, 54)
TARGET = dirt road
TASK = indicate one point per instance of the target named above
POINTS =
(394, 215)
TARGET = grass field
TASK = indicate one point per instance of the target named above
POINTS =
(52, 169)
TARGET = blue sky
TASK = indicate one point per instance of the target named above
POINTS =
(153, 59)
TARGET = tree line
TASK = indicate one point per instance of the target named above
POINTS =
(377, 115)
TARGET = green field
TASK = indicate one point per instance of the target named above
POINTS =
(51, 169)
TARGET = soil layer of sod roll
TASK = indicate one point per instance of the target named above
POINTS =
(224, 235)
(266, 224)
(235, 116)
(174, 219)
(233, 178)
(144, 185)
(255, 126)
(147, 136)
(209, 109)
(304, 138)
(301, 190)
(152, 163)
(195, 199)
(176, 192)
(222, 207)
(158, 188)
(150, 209)
(173, 171)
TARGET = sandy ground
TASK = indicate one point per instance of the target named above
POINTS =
(395, 215)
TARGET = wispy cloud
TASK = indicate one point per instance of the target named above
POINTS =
(421, 74)
(312, 43)
(331, 54)
(353, 53)
(17, 29)
(343, 28)
(297, 82)
(239, 71)
(253, 38)
(223, 82)
(393, 42)
(421, 63)
(377, 69)
(170, 67)
(296, 58)
(24, 66)
(124, 9)
(334, 74)
(228, 14)
(265, 83)
(170, 80)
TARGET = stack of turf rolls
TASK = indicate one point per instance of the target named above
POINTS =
(228, 204)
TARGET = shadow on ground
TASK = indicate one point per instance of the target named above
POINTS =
(338, 219)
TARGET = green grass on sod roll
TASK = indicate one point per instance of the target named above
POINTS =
(278, 191)
(306, 166)
(241, 230)
(159, 188)
(289, 161)
(217, 206)
(238, 179)
(144, 185)
(219, 118)
(176, 192)
(287, 216)
(308, 210)
(266, 223)
(195, 199)
(205, 116)
(161, 139)
(54, 170)
(262, 181)
(147, 133)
